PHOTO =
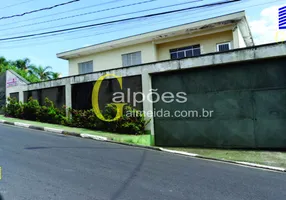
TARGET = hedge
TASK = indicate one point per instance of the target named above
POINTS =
(48, 113)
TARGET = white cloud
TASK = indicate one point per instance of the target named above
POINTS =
(264, 29)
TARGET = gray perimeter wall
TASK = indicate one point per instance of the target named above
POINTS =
(2, 91)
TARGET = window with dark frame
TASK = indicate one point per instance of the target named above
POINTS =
(186, 52)
(223, 47)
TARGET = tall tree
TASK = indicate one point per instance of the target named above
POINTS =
(23, 64)
(30, 72)
(43, 73)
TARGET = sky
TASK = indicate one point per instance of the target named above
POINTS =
(262, 16)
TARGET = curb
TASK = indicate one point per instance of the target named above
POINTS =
(105, 139)
(54, 130)
(247, 164)
(86, 136)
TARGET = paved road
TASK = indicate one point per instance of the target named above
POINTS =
(38, 165)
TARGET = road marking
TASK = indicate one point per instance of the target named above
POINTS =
(262, 166)
(54, 130)
(22, 124)
(179, 152)
(95, 137)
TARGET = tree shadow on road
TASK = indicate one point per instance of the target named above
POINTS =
(131, 177)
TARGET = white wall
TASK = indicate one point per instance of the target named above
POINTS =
(238, 40)
(18, 86)
(112, 59)
(208, 43)
(152, 52)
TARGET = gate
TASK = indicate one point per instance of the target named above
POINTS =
(248, 101)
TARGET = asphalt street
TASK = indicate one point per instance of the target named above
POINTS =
(40, 166)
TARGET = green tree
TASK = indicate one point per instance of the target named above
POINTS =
(23, 64)
(3, 61)
(30, 72)
(55, 75)
(43, 73)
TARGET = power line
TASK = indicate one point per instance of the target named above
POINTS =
(164, 21)
(107, 30)
(93, 27)
(83, 14)
(39, 10)
(43, 36)
(54, 34)
(116, 30)
(13, 5)
(82, 8)
(121, 20)
(86, 36)
(124, 14)
(73, 31)
(101, 33)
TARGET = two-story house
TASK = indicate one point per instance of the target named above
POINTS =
(217, 34)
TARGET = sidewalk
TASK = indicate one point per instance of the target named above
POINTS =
(131, 139)
(269, 158)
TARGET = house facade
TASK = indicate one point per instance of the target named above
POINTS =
(247, 105)
(189, 40)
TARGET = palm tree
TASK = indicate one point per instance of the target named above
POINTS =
(27, 70)
(23, 64)
(55, 75)
(42, 72)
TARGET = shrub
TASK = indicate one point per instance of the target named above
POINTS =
(84, 119)
(32, 110)
(13, 108)
(134, 124)
(50, 114)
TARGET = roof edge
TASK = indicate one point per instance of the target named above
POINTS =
(66, 54)
(247, 34)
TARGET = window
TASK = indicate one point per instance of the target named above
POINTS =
(131, 59)
(85, 67)
(223, 47)
(186, 52)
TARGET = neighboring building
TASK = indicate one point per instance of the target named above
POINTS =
(206, 36)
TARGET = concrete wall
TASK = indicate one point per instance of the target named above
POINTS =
(82, 92)
(55, 94)
(2, 91)
(19, 86)
(146, 70)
